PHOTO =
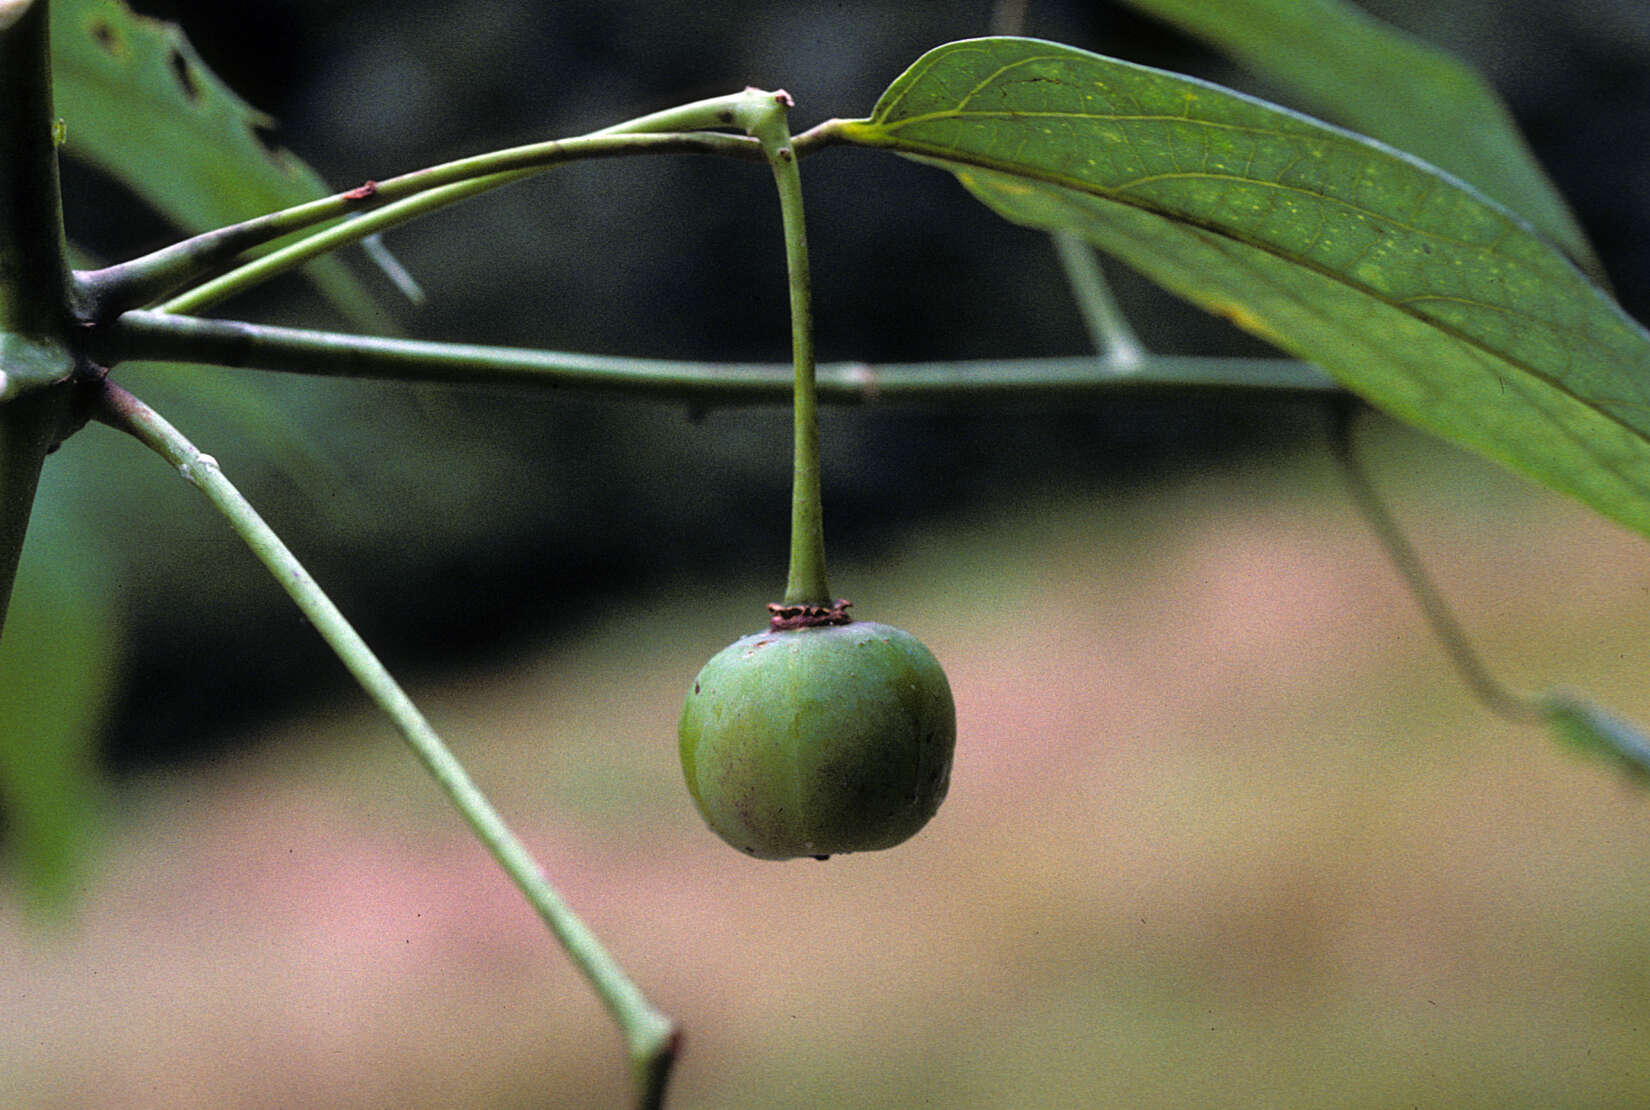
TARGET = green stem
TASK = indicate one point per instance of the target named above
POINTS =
(1499, 698)
(823, 134)
(367, 211)
(35, 312)
(377, 205)
(764, 116)
(1108, 328)
(28, 430)
(230, 343)
(651, 1037)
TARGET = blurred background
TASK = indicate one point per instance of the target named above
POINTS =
(1223, 827)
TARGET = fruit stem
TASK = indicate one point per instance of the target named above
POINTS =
(806, 584)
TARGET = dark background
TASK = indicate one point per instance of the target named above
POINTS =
(458, 527)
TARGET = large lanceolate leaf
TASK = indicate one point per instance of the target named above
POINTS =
(1411, 287)
(139, 105)
(1351, 68)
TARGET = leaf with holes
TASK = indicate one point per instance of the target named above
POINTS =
(1409, 286)
(141, 107)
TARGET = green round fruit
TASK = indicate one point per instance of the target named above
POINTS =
(814, 741)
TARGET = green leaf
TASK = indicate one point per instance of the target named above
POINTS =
(1360, 72)
(139, 105)
(1409, 286)
(57, 662)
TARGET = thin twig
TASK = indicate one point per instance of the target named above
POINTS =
(1497, 696)
(650, 1035)
(236, 344)
(1108, 328)
(147, 279)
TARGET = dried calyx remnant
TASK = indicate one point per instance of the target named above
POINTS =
(788, 614)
